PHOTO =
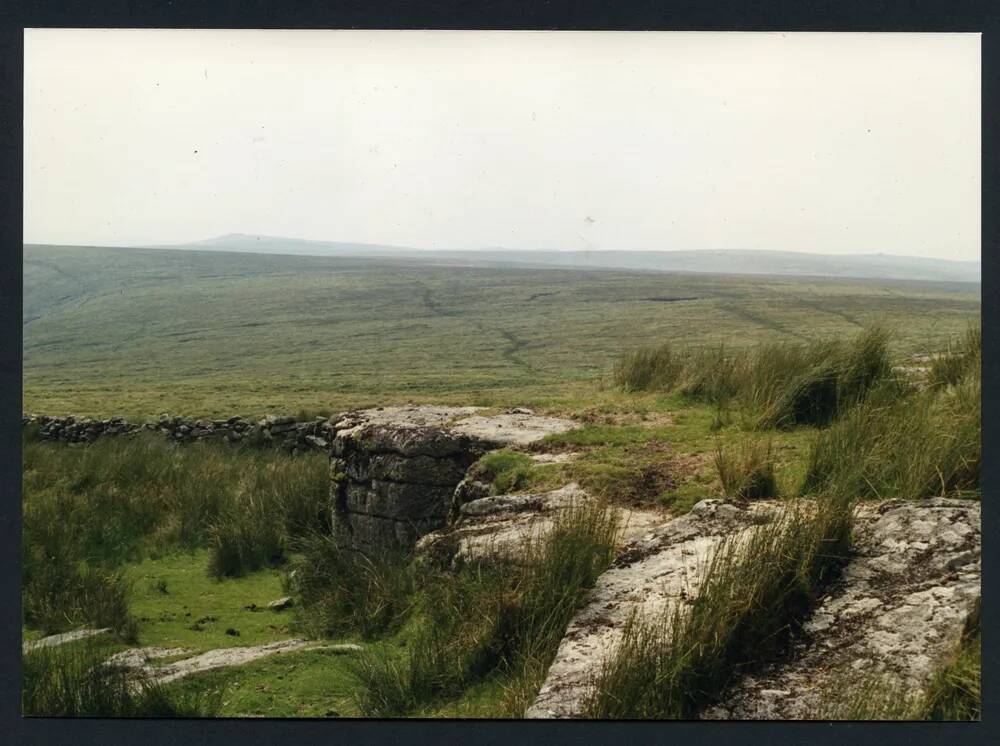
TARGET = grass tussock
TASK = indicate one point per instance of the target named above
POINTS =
(345, 592)
(922, 444)
(964, 359)
(73, 681)
(774, 385)
(87, 509)
(493, 618)
(746, 471)
(755, 591)
(506, 470)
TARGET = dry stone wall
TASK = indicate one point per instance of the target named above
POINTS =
(280, 431)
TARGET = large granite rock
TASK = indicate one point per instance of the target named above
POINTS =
(661, 567)
(395, 472)
(897, 608)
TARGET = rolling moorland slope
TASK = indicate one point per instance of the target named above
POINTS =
(140, 331)
(727, 261)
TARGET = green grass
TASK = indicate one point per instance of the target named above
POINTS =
(300, 684)
(70, 681)
(507, 470)
(86, 511)
(754, 592)
(196, 609)
(774, 384)
(141, 332)
(493, 620)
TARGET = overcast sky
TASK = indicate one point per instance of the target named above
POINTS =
(831, 143)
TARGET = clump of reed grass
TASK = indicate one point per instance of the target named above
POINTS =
(60, 595)
(244, 540)
(494, 618)
(755, 591)
(746, 471)
(649, 369)
(87, 509)
(343, 591)
(963, 359)
(774, 385)
(73, 681)
(922, 444)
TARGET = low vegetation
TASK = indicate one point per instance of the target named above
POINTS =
(905, 443)
(780, 384)
(493, 619)
(507, 471)
(963, 359)
(87, 510)
(747, 470)
(332, 333)
(839, 425)
(755, 591)
(346, 592)
(74, 681)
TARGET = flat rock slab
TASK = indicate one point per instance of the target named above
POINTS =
(661, 566)
(515, 427)
(137, 658)
(898, 606)
(62, 639)
(501, 526)
(221, 658)
(512, 429)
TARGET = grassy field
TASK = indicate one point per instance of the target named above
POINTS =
(181, 546)
(140, 332)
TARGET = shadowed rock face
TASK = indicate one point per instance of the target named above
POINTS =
(899, 605)
(394, 470)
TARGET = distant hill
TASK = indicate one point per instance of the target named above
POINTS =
(722, 261)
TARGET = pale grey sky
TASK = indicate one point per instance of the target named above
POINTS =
(831, 143)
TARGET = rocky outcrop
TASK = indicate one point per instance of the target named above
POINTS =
(398, 473)
(389, 484)
(899, 604)
(898, 607)
(499, 526)
(661, 567)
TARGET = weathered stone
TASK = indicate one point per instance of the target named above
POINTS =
(398, 500)
(406, 441)
(659, 568)
(397, 468)
(62, 639)
(280, 604)
(897, 608)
